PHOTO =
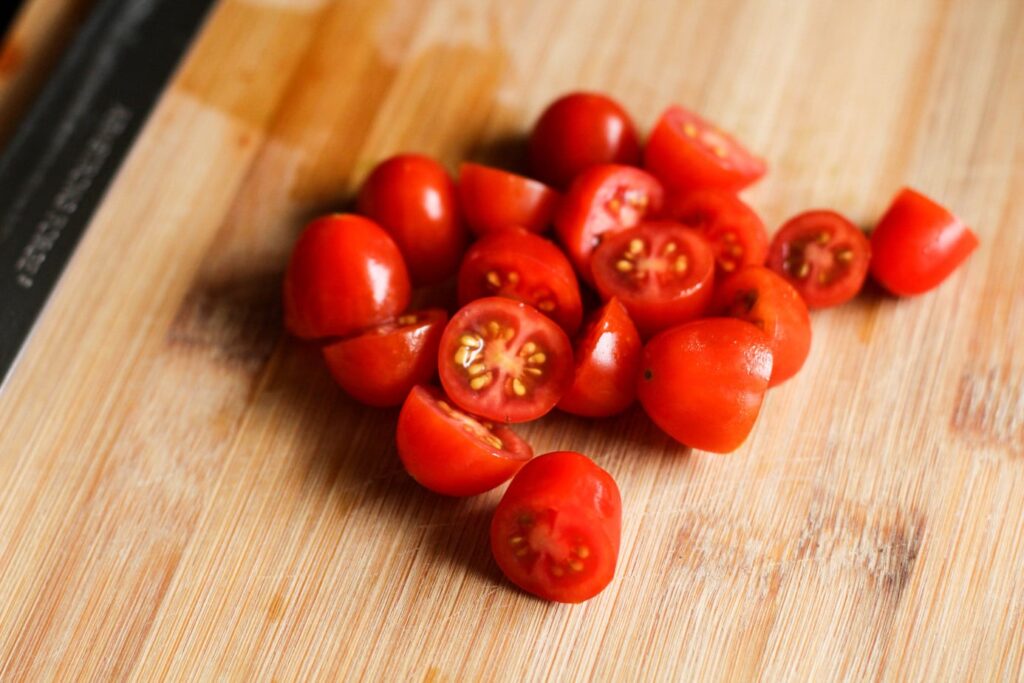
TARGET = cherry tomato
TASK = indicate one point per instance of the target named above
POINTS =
(607, 358)
(521, 266)
(413, 198)
(686, 152)
(604, 200)
(735, 232)
(381, 365)
(451, 452)
(580, 130)
(762, 297)
(344, 274)
(917, 244)
(556, 531)
(504, 360)
(703, 382)
(494, 200)
(823, 255)
(661, 271)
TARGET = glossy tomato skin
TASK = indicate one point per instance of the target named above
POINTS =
(602, 201)
(414, 199)
(661, 272)
(556, 531)
(607, 356)
(580, 130)
(504, 360)
(345, 274)
(381, 365)
(494, 200)
(686, 152)
(823, 255)
(762, 297)
(733, 229)
(703, 382)
(917, 244)
(522, 266)
(451, 452)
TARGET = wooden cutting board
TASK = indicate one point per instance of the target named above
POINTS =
(185, 495)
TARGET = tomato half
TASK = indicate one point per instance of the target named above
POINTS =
(413, 198)
(381, 365)
(917, 244)
(504, 360)
(661, 271)
(703, 382)
(345, 273)
(494, 200)
(686, 152)
(733, 229)
(522, 266)
(556, 531)
(451, 452)
(604, 200)
(580, 130)
(762, 297)
(823, 255)
(607, 356)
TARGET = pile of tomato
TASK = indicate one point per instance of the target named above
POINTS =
(661, 285)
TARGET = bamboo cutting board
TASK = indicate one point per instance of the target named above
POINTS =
(185, 495)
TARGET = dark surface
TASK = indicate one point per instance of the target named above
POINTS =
(7, 12)
(64, 155)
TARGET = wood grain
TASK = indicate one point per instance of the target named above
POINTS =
(185, 495)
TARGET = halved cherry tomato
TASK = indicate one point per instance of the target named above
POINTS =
(917, 244)
(703, 382)
(522, 266)
(381, 365)
(661, 271)
(504, 360)
(604, 200)
(451, 452)
(556, 531)
(686, 152)
(607, 358)
(580, 130)
(494, 200)
(823, 255)
(413, 198)
(344, 274)
(762, 297)
(735, 232)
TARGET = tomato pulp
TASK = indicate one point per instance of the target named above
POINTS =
(734, 231)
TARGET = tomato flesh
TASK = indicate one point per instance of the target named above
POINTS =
(661, 271)
(918, 244)
(556, 531)
(494, 200)
(504, 360)
(451, 452)
(823, 255)
(734, 231)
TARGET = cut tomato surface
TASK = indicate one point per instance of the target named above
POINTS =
(494, 200)
(733, 229)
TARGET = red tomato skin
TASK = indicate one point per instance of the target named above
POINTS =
(345, 274)
(414, 199)
(918, 244)
(703, 382)
(682, 164)
(715, 214)
(583, 218)
(776, 309)
(571, 486)
(580, 130)
(380, 366)
(450, 460)
(540, 266)
(607, 357)
(493, 200)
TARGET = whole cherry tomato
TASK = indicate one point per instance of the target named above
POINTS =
(413, 198)
(494, 200)
(734, 231)
(556, 531)
(344, 274)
